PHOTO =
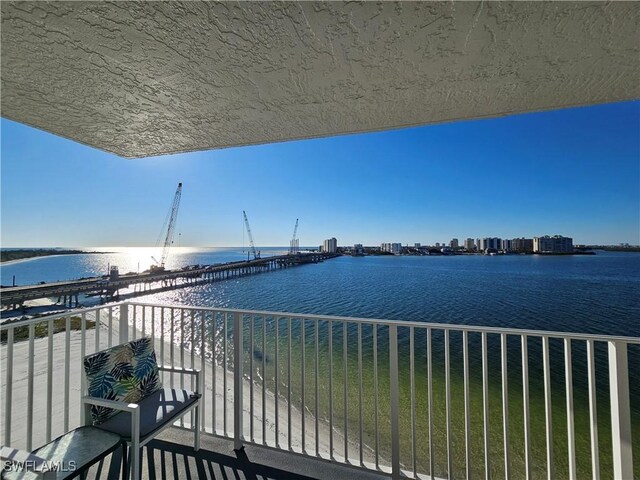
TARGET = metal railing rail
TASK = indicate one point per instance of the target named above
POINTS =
(300, 383)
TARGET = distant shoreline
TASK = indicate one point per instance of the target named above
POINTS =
(9, 257)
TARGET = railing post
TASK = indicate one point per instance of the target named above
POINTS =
(395, 402)
(237, 380)
(124, 323)
(9, 388)
(620, 410)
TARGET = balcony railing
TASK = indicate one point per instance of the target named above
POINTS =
(406, 398)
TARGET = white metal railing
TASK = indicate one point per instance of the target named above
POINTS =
(407, 398)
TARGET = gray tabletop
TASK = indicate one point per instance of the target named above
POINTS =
(72, 452)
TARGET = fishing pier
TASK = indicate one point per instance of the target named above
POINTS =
(157, 280)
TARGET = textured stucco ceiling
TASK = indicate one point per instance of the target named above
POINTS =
(140, 79)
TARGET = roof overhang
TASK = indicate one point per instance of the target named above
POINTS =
(149, 78)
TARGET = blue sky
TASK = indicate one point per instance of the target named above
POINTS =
(574, 172)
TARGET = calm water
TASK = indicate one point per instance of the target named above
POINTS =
(593, 294)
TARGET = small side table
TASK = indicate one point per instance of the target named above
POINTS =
(73, 453)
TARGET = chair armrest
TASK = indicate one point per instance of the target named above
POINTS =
(116, 405)
(25, 461)
(169, 368)
(132, 408)
(188, 371)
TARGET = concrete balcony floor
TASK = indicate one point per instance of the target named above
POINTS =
(171, 456)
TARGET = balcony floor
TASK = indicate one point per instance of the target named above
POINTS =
(171, 456)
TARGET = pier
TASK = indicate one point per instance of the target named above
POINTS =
(109, 287)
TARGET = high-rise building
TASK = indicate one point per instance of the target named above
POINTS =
(417, 245)
(555, 244)
(330, 245)
(469, 246)
(453, 243)
(522, 245)
(493, 243)
(395, 248)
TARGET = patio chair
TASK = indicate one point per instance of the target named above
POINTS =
(125, 396)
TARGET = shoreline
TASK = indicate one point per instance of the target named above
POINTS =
(184, 355)
(30, 259)
(165, 352)
(43, 254)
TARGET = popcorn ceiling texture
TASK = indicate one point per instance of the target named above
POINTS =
(140, 79)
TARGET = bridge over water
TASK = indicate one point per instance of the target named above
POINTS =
(68, 291)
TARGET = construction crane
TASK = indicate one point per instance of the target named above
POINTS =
(294, 241)
(170, 224)
(256, 255)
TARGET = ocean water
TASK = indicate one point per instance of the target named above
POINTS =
(597, 294)
(591, 294)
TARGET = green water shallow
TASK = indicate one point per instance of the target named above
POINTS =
(365, 412)
(596, 294)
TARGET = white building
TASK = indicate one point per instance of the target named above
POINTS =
(469, 245)
(522, 245)
(395, 248)
(555, 244)
(487, 243)
(330, 245)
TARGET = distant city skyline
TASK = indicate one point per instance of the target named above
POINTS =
(573, 172)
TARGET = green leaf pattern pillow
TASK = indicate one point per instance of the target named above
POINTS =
(127, 373)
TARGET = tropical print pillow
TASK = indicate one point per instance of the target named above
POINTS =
(127, 372)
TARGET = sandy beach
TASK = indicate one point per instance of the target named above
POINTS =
(30, 259)
(94, 343)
